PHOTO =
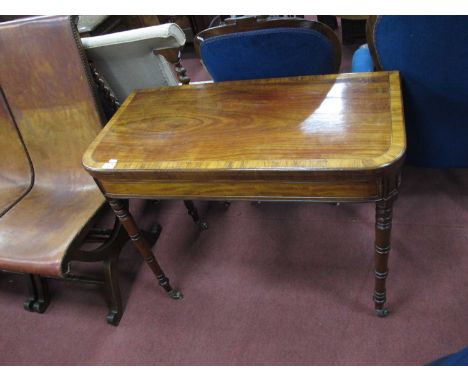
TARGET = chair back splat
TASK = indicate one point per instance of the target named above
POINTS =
(253, 48)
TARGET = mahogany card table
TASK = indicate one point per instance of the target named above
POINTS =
(332, 138)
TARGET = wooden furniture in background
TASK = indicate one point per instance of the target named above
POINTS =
(337, 138)
(259, 47)
(49, 105)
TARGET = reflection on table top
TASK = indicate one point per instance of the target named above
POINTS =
(333, 122)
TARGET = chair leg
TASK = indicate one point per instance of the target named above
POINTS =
(43, 298)
(114, 298)
(38, 299)
(29, 303)
(193, 212)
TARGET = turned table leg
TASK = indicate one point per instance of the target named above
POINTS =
(122, 213)
(193, 212)
(383, 227)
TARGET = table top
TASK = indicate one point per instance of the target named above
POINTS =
(339, 122)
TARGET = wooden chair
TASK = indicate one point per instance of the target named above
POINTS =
(258, 47)
(49, 101)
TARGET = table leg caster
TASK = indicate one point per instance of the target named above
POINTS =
(202, 225)
(175, 294)
(193, 212)
(113, 318)
(384, 312)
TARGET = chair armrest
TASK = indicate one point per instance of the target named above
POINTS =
(137, 58)
(159, 36)
(88, 23)
(362, 60)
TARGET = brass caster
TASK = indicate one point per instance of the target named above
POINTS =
(113, 318)
(175, 294)
(203, 225)
(29, 305)
(382, 312)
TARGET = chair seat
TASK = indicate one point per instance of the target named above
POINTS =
(42, 246)
(11, 191)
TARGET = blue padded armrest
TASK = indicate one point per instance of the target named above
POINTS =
(362, 60)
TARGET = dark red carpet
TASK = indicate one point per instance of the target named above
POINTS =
(268, 284)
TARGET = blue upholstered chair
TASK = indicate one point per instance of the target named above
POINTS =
(431, 53)
(251, 48)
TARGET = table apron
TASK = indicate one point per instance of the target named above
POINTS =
(246, 190)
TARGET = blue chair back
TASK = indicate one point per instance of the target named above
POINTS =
(431, 53)
(269, 48)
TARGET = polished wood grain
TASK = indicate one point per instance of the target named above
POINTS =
(254, 139)
(250, 23)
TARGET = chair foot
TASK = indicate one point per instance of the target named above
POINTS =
(29, 304)
(40, 306)
(38, 299)
(384, 312)
(114, 298)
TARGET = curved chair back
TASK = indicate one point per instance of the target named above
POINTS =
(431, 53)
(47, 86)
(129, 60)
(251, 48)
(16, 176)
